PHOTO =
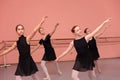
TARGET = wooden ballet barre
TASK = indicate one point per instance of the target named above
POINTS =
(66, 41)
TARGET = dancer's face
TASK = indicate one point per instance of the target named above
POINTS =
(20, 30)
(88, 31)
(42, 31)
(77, 30)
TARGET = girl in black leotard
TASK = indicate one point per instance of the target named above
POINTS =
(93, 47)
(84, 60)
(26, 66)
(49, 54)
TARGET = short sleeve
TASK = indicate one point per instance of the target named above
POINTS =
(48, 36)
(40, 42)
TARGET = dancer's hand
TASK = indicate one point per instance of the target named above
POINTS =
(44, 18)
(57, 24)
(108, 20)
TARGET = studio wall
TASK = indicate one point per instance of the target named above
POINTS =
(86, 13)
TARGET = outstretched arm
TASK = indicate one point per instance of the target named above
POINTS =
(29, 37)
(89, 36)
(54, 29)
(35, 48)
(9, 49)
(100, 32)
(66, 51)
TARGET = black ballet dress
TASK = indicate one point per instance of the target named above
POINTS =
(49, 54)
(93, 48)
(26, 65)
(84, 60)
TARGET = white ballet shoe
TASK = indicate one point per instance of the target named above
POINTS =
(47, 78)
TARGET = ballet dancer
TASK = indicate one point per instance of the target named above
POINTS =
(26, 66)
(49, 55)
(93, 47)
(84, 61)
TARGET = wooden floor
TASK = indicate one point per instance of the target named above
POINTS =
(110, 71)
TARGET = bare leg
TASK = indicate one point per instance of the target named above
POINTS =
(58, 68)
(43, 65)
(75, 75)
(34, 76)
(97, 66)
(18, 77)
(91, 75)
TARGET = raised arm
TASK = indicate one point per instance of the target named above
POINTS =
(54, 29)
(29, 37)
(89, 36)
(66, 51)
(100, 32)
(9, 49)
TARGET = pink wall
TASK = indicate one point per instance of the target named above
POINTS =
(88, 13)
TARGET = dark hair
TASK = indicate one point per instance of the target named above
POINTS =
(85, 30)
(19, 25)
(73, 28)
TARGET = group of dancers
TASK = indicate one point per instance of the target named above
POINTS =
(85, 46)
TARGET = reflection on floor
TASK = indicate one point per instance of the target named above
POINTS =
(110, 71)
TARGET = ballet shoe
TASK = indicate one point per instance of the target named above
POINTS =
(47, 78)
(59, 72)
(99, 71)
